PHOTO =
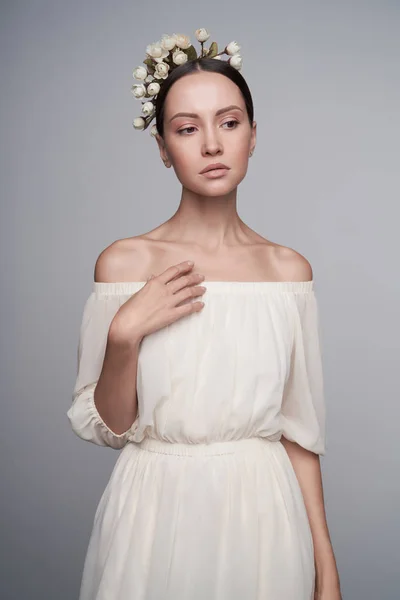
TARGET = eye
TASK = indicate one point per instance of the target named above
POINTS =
(180, 131)
(235, 123)
(231, 121)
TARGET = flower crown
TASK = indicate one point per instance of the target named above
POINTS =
(162, 57)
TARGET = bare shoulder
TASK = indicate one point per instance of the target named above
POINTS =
(291, 265)
(277, 262)
(124, 260)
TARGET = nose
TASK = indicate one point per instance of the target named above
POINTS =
(211, 143)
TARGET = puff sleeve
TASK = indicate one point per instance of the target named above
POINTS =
(303, 410)
(84, 418)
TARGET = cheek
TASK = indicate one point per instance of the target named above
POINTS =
(243, 150)
(183, 155)
(185, 162)
(240, 153)
(183, 165)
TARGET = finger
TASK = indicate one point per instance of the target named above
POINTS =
(185, 280)
(190, 307)
(188, 293)
(175, 271)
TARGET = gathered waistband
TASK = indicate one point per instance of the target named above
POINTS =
(202, 449)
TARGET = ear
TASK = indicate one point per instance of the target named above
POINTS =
(253, 137)
(162, 149)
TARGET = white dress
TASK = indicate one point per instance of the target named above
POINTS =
(203, 502)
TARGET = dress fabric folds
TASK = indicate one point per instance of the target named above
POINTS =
(203, 502)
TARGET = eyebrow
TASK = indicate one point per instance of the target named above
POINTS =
(195, 116)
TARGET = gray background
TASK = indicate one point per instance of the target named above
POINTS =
(75, 176)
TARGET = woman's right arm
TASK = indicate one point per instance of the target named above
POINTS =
(105, 403)
(97, 349)
(115, 396)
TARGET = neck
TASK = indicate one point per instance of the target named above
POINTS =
(207, 220)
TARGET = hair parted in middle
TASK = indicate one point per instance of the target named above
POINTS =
(202, 64)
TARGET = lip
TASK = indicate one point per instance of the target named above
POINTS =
(215, 173)
(212, 167)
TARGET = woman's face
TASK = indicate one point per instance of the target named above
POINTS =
(194, 141)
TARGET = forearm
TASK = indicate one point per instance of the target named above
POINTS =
(307, 467)
(115, 396)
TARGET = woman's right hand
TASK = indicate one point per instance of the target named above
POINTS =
(158, 303)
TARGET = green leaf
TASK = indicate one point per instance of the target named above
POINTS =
(191, 52)
(213, 50)
(148, 120)
(150, 65)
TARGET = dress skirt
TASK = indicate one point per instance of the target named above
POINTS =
(219, 521)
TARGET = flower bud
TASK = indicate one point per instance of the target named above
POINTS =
(153, 88)
(202, 35)
(179, 57)
(148, 109)
(140, 73)
(138, 90)
(232, 48)
(235, 61)
(161, 71)
(154, 50)
(181, 40)
(167, 42)
(139, 123)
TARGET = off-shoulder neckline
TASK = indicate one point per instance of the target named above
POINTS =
(130, 287)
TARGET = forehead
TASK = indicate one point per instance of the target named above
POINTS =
(202, 91)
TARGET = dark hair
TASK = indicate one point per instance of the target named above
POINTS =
(201, 64)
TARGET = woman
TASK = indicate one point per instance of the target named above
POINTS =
(209, 376)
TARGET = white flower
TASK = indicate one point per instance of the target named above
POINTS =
(167, 42)
(181, 40)
(140, 73)
(139, 123)
(202, 35)
(156, 51)
(153, 88)
(149, 78)
(232, 48)
(179, 57)
(148, 109)
(153, 131)
(161, 71)
(164, 54)
(138, 90)
(153, 50)
(235, 61)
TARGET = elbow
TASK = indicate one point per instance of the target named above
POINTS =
(87, 423)
(309, 437)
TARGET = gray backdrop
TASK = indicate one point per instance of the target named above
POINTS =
(75, 176)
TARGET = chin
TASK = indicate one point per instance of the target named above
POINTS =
(217, 188)
(213, 187)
